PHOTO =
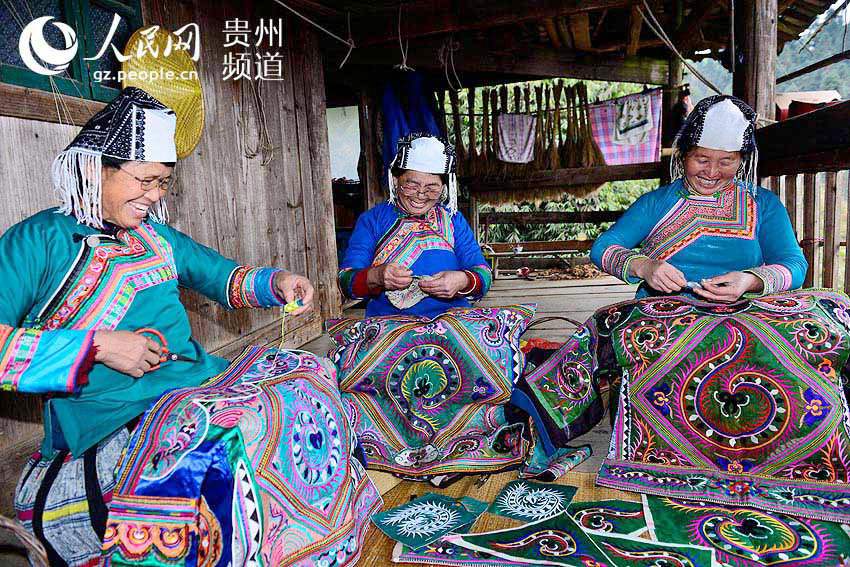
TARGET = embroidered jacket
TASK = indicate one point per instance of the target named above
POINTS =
(62, 281)
(426, 245)
(705, 236)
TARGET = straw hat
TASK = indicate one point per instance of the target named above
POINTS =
(182, 94)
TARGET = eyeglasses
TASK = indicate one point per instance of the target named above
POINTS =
(431, 191)
(164, 184)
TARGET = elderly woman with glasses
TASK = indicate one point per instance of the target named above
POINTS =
(416, 253)
(90, 303)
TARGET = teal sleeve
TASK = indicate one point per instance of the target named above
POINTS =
(32, 360)
(784, 265)
(469, 255)
(613, 251)
(221, 279)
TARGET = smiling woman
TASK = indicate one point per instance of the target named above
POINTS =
(86, 285)
(712, 232)
(132, 188)
(416, 254)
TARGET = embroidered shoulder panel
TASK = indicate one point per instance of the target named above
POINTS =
(100, 286)
(409, 237)
(731, 215)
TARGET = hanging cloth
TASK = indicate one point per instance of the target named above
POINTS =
(517, 133)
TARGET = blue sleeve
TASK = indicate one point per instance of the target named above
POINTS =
(221, 279)
(360, 252)
(469, 255)
(613, 251)
(32, 360)
(785, 265)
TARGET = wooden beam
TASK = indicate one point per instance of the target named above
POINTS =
(580, 30)
(552, 32)
(635, 24)
(521, 61)
(754, 79)
(791, 200)
(832, 160)
(687, 35)
(820, 138)
(370, 162)
(33, 104)
(543, 246)
(550, 217)
(830, 246)
(564, 32)
(568, 177)
(814, 66)
(808, 243)
(444, 17)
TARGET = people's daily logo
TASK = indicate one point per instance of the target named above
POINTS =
(40, 56)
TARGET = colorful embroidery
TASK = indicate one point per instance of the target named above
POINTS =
(444, 553)
(70, 353)
(252, 287)
(554, 541)
(428, 394)
(637, 552)
(617, 259)
(530, 501)
(409, 237)
(563, 393)
(609, 516)
(267, 446)
(738, 404)
(731, 214)
(100, 286)
(428, 518)
(746, 537)
(774, 277)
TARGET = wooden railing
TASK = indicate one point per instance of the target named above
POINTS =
(805, 161)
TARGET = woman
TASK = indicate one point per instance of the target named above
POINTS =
(90, 305)
(712, 231)
(416, 254)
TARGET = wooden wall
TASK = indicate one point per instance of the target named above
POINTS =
(279, 214)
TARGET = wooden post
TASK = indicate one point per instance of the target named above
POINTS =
(675, 76)
(830, 246)
(473, 215)
(371, 168)
(755, 57)
(809, 206)
(791, 201)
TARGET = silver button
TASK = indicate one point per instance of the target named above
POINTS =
(92, 240)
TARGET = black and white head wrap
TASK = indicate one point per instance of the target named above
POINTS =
(135, 127)
(719, 122)
(429, 154)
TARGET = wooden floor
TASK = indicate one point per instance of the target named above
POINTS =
(576, 299)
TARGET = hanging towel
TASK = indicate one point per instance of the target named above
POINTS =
(516, 137)
(628, 129)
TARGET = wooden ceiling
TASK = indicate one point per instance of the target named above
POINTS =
(498, 40)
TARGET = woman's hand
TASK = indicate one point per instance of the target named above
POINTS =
(728, 287)
(445, 285)
(129, 353)
(291, 287)
(389, 277)
(659, 275)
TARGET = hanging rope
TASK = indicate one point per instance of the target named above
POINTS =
(823, 24)
(349, 42)
(403, 46)
(446, 55)
(658, 30)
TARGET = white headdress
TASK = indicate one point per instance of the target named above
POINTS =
(720, 122)
(135, 127)
(429, 154)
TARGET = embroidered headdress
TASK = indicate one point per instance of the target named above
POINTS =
(429, 154)
(720, 122)
(135, 127)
